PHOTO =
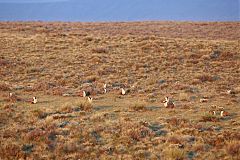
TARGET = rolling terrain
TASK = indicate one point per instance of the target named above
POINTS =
(197, 65)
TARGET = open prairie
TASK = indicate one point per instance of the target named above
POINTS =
(197, 65)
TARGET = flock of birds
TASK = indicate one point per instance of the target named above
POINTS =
(218, 111)
(14, 98)
(168, 103)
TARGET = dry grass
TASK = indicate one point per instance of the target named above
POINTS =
(175, 154)
(4, 87)
(139, 106)
(57, 61)
(233, 149)
(209, 118)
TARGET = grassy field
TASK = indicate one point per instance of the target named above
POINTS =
(57, 61)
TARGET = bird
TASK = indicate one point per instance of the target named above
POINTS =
(202, 100)
(90, 99)
(123, 92)
(105, 88)
(10, 94)
(34, 100)
(218, 108)
(13, 97)
(168, 103)
(212, 112)
(231, 92)
(221, 113)
(86, 93)
(224, 113)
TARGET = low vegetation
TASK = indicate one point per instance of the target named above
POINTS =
(56, 61)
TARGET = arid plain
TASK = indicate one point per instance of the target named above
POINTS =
(197, 65)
